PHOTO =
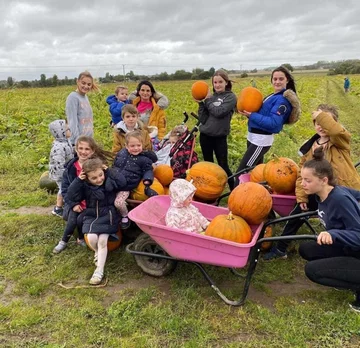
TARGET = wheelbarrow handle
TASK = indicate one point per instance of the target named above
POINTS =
(186, 117)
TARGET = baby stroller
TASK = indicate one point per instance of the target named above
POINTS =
(181, 155)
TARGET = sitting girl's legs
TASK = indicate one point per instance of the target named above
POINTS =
(99, 244)
(120, 204)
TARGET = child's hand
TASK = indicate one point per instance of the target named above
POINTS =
(77, 208)
(303, 206)
(315, 114)
(324, 238)
(245, 113)
(146, 182)
(82, 175)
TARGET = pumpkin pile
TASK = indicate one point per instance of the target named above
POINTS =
(280, 173)
(199, 90)
(209, 179)
(250, 99)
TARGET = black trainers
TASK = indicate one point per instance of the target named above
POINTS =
(125, 223)
(355, 306)
(57, 211)
(274, 253)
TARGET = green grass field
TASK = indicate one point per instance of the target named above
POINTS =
(283, 309)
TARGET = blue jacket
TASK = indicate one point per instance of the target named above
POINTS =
(100, 216)
(115, 108)
(134, 168)
(340, 214)
(270, 119)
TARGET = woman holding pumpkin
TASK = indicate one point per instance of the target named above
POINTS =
(278, 108)
(151, 105)
(334, 140)
(215, 113)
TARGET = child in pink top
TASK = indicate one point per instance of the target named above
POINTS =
(182, 214)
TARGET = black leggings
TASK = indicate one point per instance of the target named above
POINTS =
(293, 226)
(74, 220)
(332, 265)
(254, 155)
(218, 145)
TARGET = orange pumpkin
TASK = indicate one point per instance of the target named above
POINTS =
(257, 174)
(208, 178)
(229, 227)
(199, 90)
(251, 201)
(281, 174)
(111, 245)
(266, 245)
(164, 173)
(166, 190)
(250, 99)
(139, 192)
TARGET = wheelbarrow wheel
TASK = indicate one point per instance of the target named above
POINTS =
(153, 266)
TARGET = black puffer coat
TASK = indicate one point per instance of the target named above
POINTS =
(101, 216)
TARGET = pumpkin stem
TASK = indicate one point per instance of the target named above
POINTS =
(230, 216)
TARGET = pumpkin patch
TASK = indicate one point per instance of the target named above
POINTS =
(229, 227)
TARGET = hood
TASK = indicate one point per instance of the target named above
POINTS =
(58, 129)
(180, 190)
(122, 126)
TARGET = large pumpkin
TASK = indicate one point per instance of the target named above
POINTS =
(139, 192)
(208, 178)
(251, 201)
(164, 173)
(111, 245)
(250, 99)
(199, 90)
(229, 227)
(47, 184)
(257, 174)
(281, 174)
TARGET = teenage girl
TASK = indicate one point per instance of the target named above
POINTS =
(85, 148)
(78, 109)
(335, 256)
(215, 113)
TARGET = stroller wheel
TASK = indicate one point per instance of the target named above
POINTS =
(153, 266)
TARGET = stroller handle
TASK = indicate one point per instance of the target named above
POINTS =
(186, 117)
(194, 115)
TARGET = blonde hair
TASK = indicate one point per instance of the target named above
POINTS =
(119, 88)
(137, 134)
(94, 87)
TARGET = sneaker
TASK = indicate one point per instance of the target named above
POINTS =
(96, 278)
(81, 242)
(274, 253)
(57, 211)
(355, 306)
(60, 247)
(125, 223)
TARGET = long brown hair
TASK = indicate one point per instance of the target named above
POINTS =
(290, 80)
(105, 156)
(224, 75)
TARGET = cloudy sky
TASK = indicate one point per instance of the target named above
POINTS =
(65, 37)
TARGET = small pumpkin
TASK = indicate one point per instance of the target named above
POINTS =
(251, 201)
(111, 245)
(229, 227)
(47, 184)
(166, 190)
(139, 192)
(208, 178)
(268, 233)
(250, 99)
(164, 173)
(257, 174)
(199, 90)
(281, 174)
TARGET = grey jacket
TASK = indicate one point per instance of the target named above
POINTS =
(215, 113)
(61, 150)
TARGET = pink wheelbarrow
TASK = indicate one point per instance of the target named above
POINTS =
(159, 248)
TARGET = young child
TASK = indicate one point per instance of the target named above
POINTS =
(61, 152)
(134, 165)
(116, 102)
(182, 214)
(335, 142)
(85, 147)
(129, 123)
(101, 218)
(335, 256)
